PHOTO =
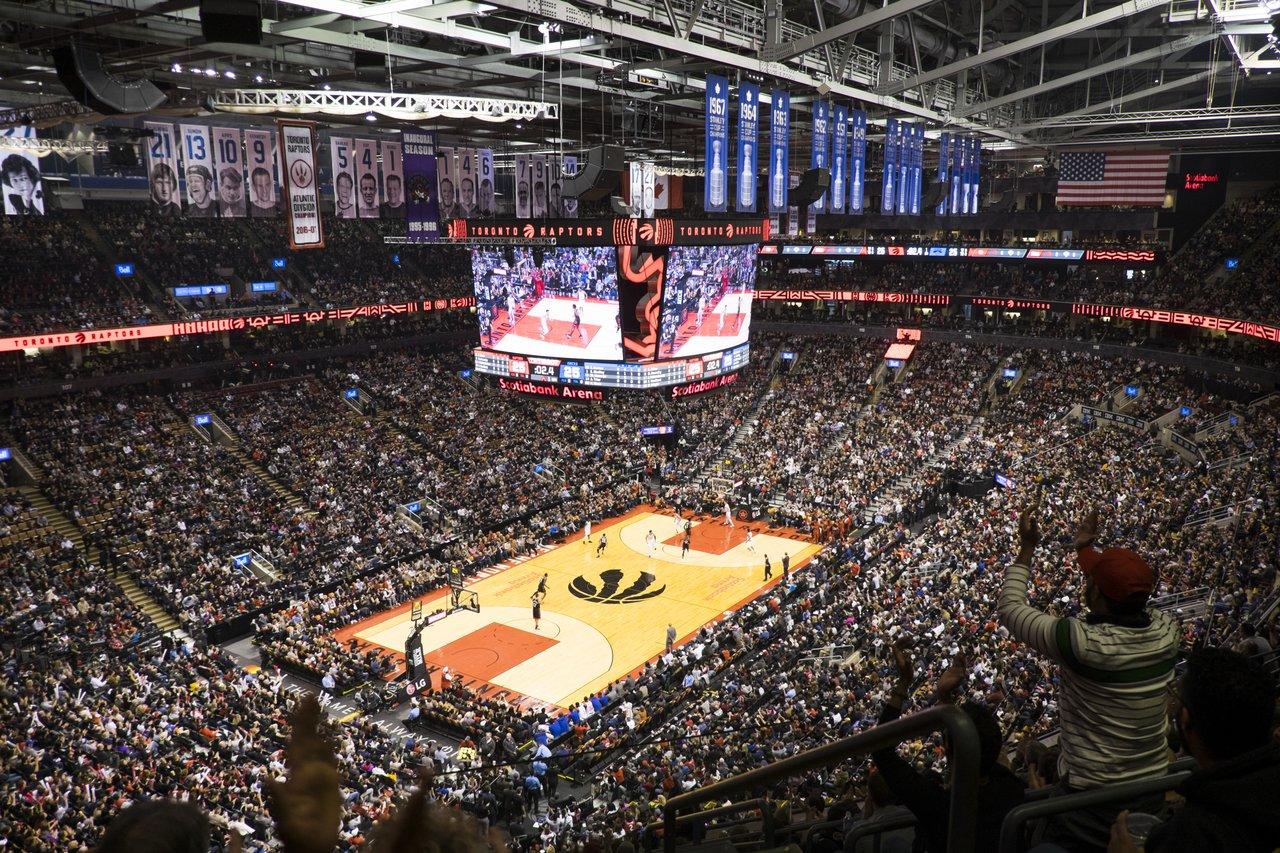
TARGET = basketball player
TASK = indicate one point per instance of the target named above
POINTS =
(768, 568)
(577, 324)
(751, 544)
(684, 543)
(537, 610)
(586, 530)
(651, 541)
(728, 513)
(511, 307)
(600, 546)
(545, 323)
(720, 322)
(542, 587)
(786, 566)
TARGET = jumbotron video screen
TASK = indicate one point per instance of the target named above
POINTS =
(706, 299)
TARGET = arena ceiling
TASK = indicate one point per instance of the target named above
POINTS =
(1030, 76)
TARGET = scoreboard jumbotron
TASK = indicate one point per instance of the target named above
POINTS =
(612, 374)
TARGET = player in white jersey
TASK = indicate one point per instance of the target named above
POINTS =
(652, 541)
(511, 308)
(720, 323)
(586, 530)
(728, 513)
(544, 324)
(582, 298)
(751, 543)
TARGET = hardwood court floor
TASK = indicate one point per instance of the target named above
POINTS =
(603, 617)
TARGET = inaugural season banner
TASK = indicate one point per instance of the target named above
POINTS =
(344, 177)
(392, 180)
(368, 199)
(748, 135)
(422, 209)
(197, 166)
(779, 154)
(819, 157)
(260, 154)
(839, 157)
(717, 144)
(229, 160)
(302, 186)
(162, 169)
(858, 162)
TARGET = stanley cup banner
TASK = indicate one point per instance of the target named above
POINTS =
(344, 177)
(524, 180)
(957, 163)
(368, 199)
(301, 183)
(229, 171)
(486, 202)
(162, 169)
(917, 167)
(889, 179)
(392, 180)
(779, 154)
(748, 162)
(904, 167)
(839, 157)
(197, 167)
(858, 162)
(975, 169)
(944, 150)
(260, 156)
(716, 152)
(421, 205)
(569, 205)
(820, 155)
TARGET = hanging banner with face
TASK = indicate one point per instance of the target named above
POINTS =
(422, 209)
(716, 153)
(748, 161)
(343, 168)
(368, 198)
(648, 181)
(569, 205)
(197, 168)
(20, 179)
(820, 155)
(555, 176)
(488, 200)
(228, 162)
(468, 182)
(858, 163)
(301, 183)
(539, 185)
(839, 157)
(392, 180)
(524, 186)
(779, 153)
(162, 169)
(260, 156)
(635, 185)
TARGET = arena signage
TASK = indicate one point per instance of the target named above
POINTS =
(853, 296)
(546, 389)
(701, 387)
(620, 231)
(997, 253)
(1015, 304)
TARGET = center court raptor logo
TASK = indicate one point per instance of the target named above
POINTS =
(610, 592)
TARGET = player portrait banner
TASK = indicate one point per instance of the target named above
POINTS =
(260, 158)
(820, 152)
(468, 178)
(569, 205)
(162, 169)
(21, 182)
(421, 206)
(447, 182)
(524, 194)
(392, 179)
(539, 185)
(748, 160)
(716, 145)
(839, 157)
(779, 153)
(301, 183)
(487, 199)
(555, 175)
(228, 159)
(197, 168)
(368, 197)
(635, 185)
(858, 162)
(343, 168)
(648, 182)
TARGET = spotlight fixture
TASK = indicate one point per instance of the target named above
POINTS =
(370, 117)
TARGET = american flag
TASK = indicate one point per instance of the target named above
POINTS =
(1097, 178)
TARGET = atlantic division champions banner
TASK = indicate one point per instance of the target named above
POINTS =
(197, 166)
(779, 154)
(717, 144)
(301, 183)
(839, 157)
(748, 138)
(422, 208)
(858, 162)
(368, 199)
(162, 169)
(260, 154)
(820, 155)
(229, 161)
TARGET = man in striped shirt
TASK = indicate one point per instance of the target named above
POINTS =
(1115, 667)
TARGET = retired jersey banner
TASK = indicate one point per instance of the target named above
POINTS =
(392, 180)
(569, 205)
(301, 183)
(468, 175)
(716, 153)
(779, 153)
(555, 177)
(20, 177)
(422, 208)
(229, 170)
(487, 199)
(368, 199)
(197, 168)
(524, 179)
(343, 167)
(539, 185)
(162, 169)
(839, 157)
(260, 155)
(748, 160)
(648, 178)
(447, 182)
(858, 162)
(820, 153)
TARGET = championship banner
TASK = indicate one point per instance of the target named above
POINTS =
(555, 203)
(904, 168)
(260, 154)
(447, 181)
(539, 186)
(422, 209)
(197, 166)
(748, 161)
(957, 161)
(716, 146)
(368, 199)
(468, 173)
(917, 167)
(488, 201)
(793, 213)
(392, 180)
(301, 183)
(524, 195)
(966, 151)
(858, 163)
(839, 157)
(648, 177)
(779, 153)
(888, 182)
(975, 170)
(944, 179)
(229, 170)
(569, 205)
(162, 169)
(820, 155)
(344, 179)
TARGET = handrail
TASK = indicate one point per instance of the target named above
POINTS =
(962, 820)
(758, 804)
(871, 827)
(1011, 829)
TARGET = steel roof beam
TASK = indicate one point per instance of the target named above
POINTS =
(1119, 100)
(843, 30)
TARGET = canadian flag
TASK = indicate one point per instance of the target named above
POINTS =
(668, 190)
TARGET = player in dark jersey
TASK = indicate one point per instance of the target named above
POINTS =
(577, 323)
(604, 540)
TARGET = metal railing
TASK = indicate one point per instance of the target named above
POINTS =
(963, 764)
(698, 819)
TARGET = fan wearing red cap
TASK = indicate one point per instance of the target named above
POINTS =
(1121, 575)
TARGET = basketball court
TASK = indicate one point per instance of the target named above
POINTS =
(596, 337)
(603, 617)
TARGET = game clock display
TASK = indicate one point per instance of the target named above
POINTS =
(612, 374)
